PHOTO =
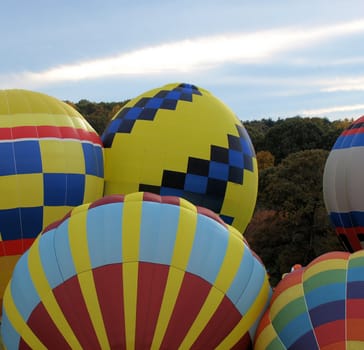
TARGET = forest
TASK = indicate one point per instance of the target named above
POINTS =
(290, 224)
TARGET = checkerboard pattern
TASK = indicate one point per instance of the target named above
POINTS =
(146, 108)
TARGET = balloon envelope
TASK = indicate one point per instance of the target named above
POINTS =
(317, 307)
(180, 140)
(343, 186)
(50, 161)
(139, 272)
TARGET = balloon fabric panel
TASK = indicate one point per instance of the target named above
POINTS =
(72, 286)
(342, 180)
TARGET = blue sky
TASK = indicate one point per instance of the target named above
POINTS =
(263, 58)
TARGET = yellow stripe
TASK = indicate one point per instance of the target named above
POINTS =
(47, 297)
(248, 319)
(228, 270)
(287, 296)
(325, 265)
(182, 249)
(39, 119)
(266, 336)
(17, 321)
(77, 229)
(132, 211)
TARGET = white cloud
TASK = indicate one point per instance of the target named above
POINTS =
(192, 54)
(333, 109)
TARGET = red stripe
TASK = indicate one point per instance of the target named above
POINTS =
(225, 318)
(71, 301)
(355, 309)
(109, 287)
(329, 333)
(15, 246)
(45, 131)
(351, 234)
(191, 297)
(152, 279)
(353, 131)
(43, 327)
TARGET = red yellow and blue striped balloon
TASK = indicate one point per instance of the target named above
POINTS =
(319, 307)
(138, 271)
(343, 186)
(51, 160)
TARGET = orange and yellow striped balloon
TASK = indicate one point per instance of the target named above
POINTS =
(136, 272)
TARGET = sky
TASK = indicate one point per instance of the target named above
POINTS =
(262, 58)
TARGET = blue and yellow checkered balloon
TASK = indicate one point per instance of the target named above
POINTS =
(180, 140)
(51, 160)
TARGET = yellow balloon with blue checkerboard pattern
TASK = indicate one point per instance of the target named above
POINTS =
(181, 140)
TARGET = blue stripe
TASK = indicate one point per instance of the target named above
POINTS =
(23, 291)
(18, 223)
(242, 277)
(11, 337)
(27, 157)
(63, 251)
(253, 287)
(63, 189)
(209, 249)
(355, 290)
(348, 141)
(347, 219)
(7, 164)
(355, 274)
(328, 312)
(295, 329)
(325, 294)
(49, 259)
(158, 231)
(93, 159)
(104, 234)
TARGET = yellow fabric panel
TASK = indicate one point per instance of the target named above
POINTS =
(242, 210)
(287, 296)
(267, 335)
(52, 214)
(185, 237)
(132, 211)
(173, 285)
(78, 238)
(325, 265)
(45, 293)
(89, 293)
(23, 190)
(209, 307)
(249, 318)
(231, 263)
(354, 345)
(77, 231)
(62, 156)
(181, 253)
(94, 187)
(7, 264)
(19, 323)
(37, 119)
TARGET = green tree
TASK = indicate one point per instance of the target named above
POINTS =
(300, 229)
(292, 135)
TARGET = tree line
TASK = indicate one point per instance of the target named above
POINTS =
(290, 224)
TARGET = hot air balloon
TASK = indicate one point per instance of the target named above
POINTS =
(343, 186)
(180, 140)
(139, 271)
(317, 307)
(50, 161)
